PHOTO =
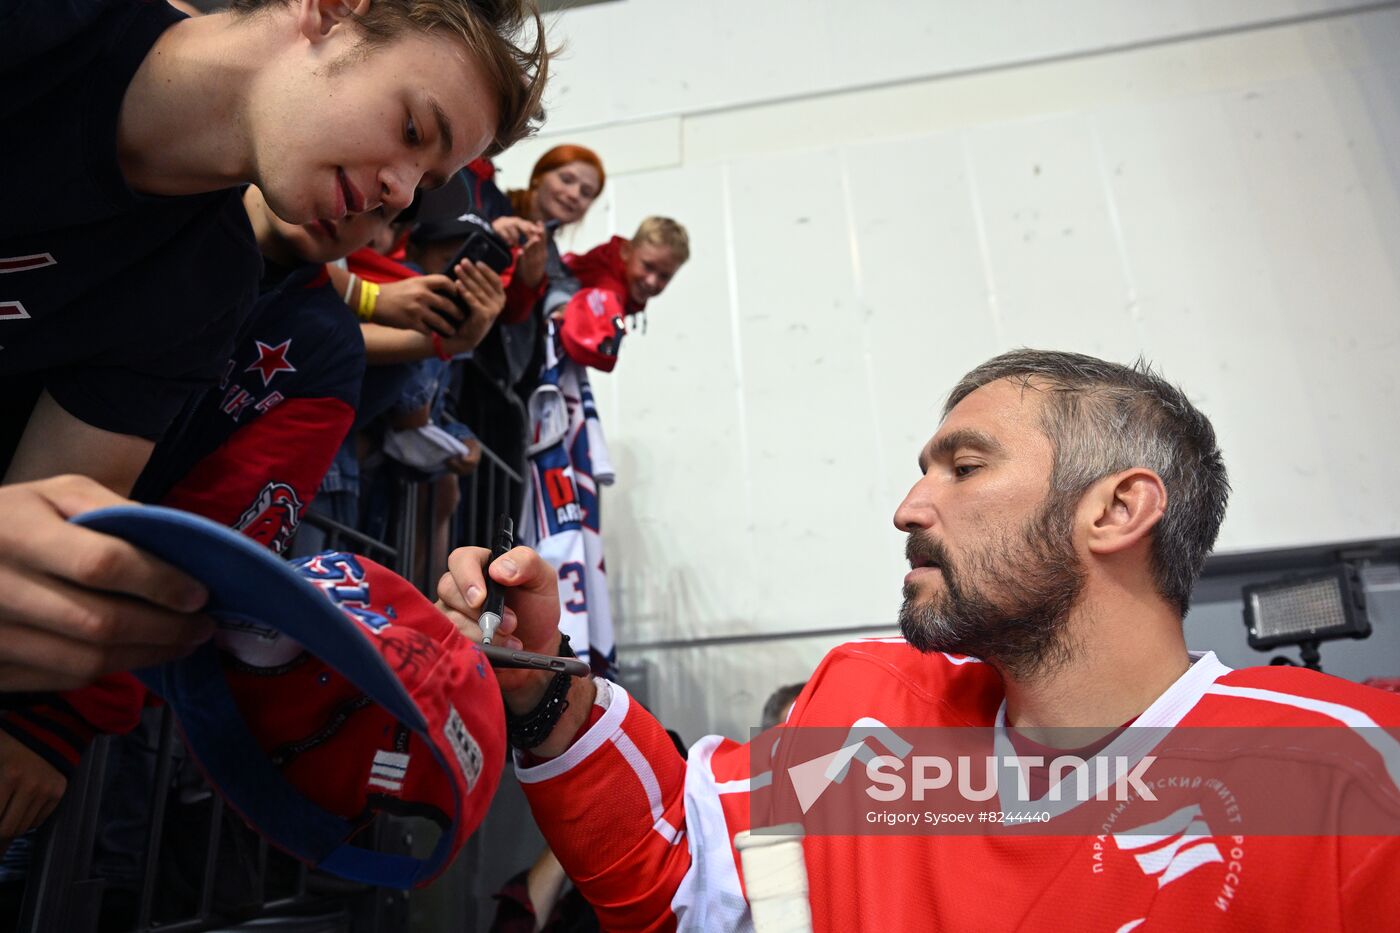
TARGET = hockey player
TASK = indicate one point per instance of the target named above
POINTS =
(1064, 512)
(128, 264)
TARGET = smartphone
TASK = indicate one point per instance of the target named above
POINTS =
(483, 246)
(529, 660)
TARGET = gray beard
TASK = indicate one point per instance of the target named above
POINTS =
(1022, 629)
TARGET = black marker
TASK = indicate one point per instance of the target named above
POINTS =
(503, 540)
(490, 619)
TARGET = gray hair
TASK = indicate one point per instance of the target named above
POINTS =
(1104, 417)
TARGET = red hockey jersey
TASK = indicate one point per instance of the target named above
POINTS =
(648, 837)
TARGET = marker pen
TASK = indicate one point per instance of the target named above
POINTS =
(501, 542)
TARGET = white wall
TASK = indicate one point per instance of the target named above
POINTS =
(640, 59)
(883, 194)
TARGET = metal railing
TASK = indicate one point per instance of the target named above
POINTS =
(65, 892)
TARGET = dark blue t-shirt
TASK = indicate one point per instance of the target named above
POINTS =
(301, 342)
(120, 304)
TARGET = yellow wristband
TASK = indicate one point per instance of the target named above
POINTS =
(369, 299)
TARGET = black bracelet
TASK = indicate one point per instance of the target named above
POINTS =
(531, 729)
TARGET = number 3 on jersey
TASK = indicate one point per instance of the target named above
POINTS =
(573, 590)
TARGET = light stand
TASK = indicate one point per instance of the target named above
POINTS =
(1306, 611)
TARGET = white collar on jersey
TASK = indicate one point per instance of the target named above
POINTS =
(1131, 745)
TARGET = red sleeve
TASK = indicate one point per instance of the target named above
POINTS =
(59, 727)
(368, 264)
(112, 704)
(520, 298)
(612, 809)
(261, 479)
(593, 328)
(644, 833)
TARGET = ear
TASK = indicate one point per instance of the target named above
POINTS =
(317, 18)
(626, 251)
(1123, 509)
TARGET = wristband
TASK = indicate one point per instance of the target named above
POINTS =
(440, 350)
(530, 730)
(350, 288)
(369, 298)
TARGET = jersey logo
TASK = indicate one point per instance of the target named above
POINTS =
(597, 303)
(26, 263)
(238, 399)
(271, 361)
(559, 487)
(342, 578)
(273, 517)
(12, 310)
(1172, 847)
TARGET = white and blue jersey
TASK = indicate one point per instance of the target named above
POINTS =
(568, 462)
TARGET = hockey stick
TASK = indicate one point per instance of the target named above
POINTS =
(775, 879)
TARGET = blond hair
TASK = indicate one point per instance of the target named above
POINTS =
(663, 231)
(493, 32)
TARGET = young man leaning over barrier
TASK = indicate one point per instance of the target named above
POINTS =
(125, 133)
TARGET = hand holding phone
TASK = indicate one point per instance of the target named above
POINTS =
(482, 245)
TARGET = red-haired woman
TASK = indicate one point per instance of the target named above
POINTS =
(563, 185)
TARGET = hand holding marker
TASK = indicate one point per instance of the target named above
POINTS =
(502, 541)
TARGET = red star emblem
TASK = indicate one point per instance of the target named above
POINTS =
(272, 360)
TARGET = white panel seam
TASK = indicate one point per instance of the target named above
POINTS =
(1111, 205)
(645, 775)
(1381, 741)
(585, 745)
(731, 262)
(867, 357)
(984, 249)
